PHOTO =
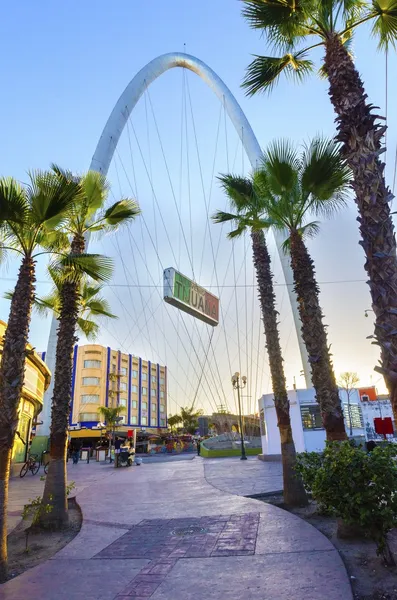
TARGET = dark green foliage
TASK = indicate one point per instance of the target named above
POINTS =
(357, 486)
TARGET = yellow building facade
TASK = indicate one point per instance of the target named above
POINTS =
(106, 377)
(37, 379)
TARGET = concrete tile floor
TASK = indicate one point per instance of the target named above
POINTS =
(292, 560)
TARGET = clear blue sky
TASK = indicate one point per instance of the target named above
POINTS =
(63, 67)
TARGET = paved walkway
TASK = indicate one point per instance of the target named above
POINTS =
(161, 531)
(244, 477)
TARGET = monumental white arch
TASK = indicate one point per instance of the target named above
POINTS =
(108, 142)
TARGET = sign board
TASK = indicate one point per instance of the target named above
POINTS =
(130, 433)
(186, 295)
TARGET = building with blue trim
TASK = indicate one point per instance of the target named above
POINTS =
(103, 376)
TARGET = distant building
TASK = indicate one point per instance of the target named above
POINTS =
(307, 428)
(103, 376)
(224, 422)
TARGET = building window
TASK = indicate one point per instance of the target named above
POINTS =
(89, 399)
(123, 402)
(161, 394)
(134, 388)
(144, 405)
(162, 380)
(153, 420)
(144, 391)
(162, 408)
(84, 417)
(92, 352)
(144, 377)
(162, 422)
(154, 392)
(154, 379)
(123, 371)
(357, 417)
(133, 420)
(123, 386)
(154, 408)
(90, 380)
(311, 417)
(144, 420)
(135, 373)
(92, 364)
(134, 404)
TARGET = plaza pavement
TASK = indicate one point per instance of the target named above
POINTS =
(164, 532)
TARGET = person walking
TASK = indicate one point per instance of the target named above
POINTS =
(198, 443)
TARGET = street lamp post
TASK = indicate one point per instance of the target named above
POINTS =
(237, 386)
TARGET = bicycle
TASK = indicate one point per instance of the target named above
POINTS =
(32, 464)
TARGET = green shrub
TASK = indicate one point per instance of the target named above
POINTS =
(358, 487)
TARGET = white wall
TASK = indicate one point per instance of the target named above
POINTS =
(310, 440)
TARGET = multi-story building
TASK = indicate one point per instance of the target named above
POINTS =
(36, 381)
(106, 377)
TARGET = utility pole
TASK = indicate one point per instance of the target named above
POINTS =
(237, 386)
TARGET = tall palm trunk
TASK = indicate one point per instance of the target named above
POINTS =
(315, 339)
(56, 480)
(12, 374)
(294, 493)
(361, 137)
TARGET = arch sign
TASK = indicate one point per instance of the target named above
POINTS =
(185, 294)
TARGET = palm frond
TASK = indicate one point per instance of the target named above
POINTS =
(264, 71)
(99, 307)
(14, 205)
(385, 22)
(73, 266)
(284, 21)
(89, 328)
(53, 240)
(51, 197)
(121, 212)
(325, 176)
(281, 166)
(238, 189)
(95, 190)
(241, 227)
(223, 217)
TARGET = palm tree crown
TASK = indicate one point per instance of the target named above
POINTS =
(289, 24)
(91, 306)
(297, 185)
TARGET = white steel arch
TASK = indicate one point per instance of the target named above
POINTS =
(107, 144)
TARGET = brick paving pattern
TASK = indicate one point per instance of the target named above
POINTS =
(231, 535)
(164, 541)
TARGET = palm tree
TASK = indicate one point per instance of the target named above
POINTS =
(288, 27)
(248, 215)
(30, 220)
(87, 216)
(295, 186)
(91, 306)
(111, 416)
(189, 416)
(173, 421)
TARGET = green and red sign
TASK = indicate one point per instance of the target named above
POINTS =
(190, 297)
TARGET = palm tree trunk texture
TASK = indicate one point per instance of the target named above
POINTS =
(315, 338)
(294, 493)
(12, 374)
(56, 480)
(361, 137)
